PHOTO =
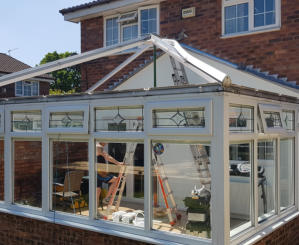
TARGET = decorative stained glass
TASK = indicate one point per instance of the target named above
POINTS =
(119, 119)
(73, 119)
(288, 119)
(272, 119)
(179, 118)
(26, 121)
(240, 119)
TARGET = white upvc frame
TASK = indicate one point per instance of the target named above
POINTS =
(68, 108)
(177, 104)
(240, 129)
(271, 108)
(2, 119)
(138, 22)
(23, 82)
(251, 28)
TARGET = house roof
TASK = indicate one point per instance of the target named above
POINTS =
(84, 6)
(9, 64)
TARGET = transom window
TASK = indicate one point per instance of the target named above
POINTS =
(241, 16)
(25, 88)
(129, 26)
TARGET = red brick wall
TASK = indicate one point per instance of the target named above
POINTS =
(1, 169)
(275, 51)
(16, 230)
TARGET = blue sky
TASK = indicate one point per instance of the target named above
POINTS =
(35, 27)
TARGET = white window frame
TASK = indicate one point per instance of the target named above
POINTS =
(23, 82)
(251, 28)
(201, 103)
(137, 22)
(238, 130)
(271, 108)
(68, 108)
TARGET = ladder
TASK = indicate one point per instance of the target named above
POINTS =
(163, 180)
(122, 176)
(199, 152)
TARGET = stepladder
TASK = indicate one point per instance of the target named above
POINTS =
(119, 187)
(167, 193)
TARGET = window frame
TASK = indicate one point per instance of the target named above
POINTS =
(23, 86)
(138, 22)
(271, 108)
(251, 28)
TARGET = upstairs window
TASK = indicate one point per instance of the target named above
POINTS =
(243, 16)
(131, 25)
(27, 88)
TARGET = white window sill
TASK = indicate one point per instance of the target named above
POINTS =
(240, 34)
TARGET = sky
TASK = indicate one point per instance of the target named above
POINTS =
(32, 28)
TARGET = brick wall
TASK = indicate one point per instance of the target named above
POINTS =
(44, 88)
(275, 51)
(15, 230)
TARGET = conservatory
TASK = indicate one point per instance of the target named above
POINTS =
(212, 163)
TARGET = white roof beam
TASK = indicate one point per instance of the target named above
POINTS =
(139, 52)
(70, 61)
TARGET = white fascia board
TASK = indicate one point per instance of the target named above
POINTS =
(104, 9)
(70, 61)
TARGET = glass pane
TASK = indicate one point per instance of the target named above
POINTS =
(242, 10)
(230, 12)
(119, 119)
(181, 188)
(179, 118)
(270, 18)
(272, 119)
(73, 119)
(230, 26)
(70, 177)
(27, 89)
(126, 33)
(152, 13)
(242, 24)
(286, 173)
(26, 121)
(148, 21)
(288, 119)
(152, 26)
(19, 88)
(259, 20)
(240, 185)
(270, 5)
(259, 6)
(120, 187)
(35, 91)
(144, 14)
(266, 179)
(240, 119)
(111, 31)
(1, 170)
(27, 172)
(134, 31)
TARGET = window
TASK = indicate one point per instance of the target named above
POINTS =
(27, 172)
(240, 119)
(181, 188)
(129, 26)
(271, 118)
(243, 16)
(26, 88)
(26, 121)
(288, 120)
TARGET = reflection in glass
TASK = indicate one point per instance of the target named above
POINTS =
(120, 187)
(73, 119)
(286, 173)
(27, 172)
(70, 177)
(266, 178)
(26, 121)
(272, 119)
(181, 188)
(240, 185)
(179, 118)
(119, 119)
(240, 119)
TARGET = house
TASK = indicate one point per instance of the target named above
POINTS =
(34, 87)
(211, 160)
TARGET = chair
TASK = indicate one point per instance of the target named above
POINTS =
(71, 188)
